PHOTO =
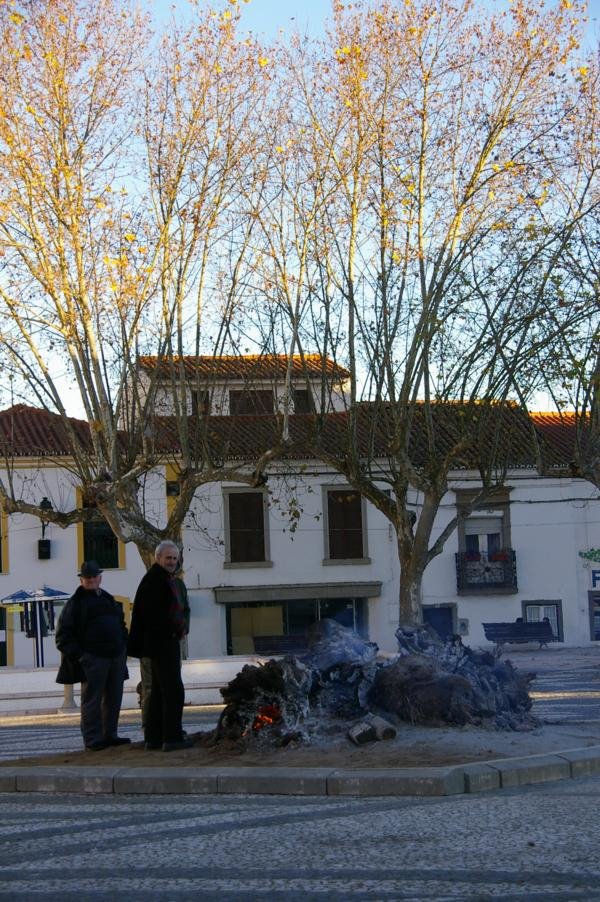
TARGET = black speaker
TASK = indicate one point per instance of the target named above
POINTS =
(44, 549)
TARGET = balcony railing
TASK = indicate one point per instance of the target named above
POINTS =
(490, 573)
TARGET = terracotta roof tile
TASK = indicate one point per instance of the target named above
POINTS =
(266, 366)
(559, 430)
(506, 428)
(30, 432)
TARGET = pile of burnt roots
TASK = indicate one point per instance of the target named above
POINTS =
(340, 679)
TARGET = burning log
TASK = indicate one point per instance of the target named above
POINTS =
(267, 716)
(271, 694)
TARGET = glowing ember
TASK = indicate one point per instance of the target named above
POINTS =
(266, 717)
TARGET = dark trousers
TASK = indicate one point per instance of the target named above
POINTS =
(164, 709)
(101, 696)
(146, 687)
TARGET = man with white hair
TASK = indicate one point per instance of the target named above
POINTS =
(157, 626)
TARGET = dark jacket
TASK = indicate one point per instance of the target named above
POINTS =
(89, 622)
(182, 589)
(151, 617)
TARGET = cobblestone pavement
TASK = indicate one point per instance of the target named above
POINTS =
(533, 843)
(567, 685)
(37, 734)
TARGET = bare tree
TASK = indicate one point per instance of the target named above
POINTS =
(564, 360)
(121, 211)
(431, 129)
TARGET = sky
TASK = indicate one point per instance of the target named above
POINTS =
(263, 17)
(267, 17)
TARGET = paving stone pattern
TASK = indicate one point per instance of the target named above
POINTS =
(41, 734)
(534, 843)
(568, 695)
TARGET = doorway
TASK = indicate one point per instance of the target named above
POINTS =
(594, 598)
(441, 618)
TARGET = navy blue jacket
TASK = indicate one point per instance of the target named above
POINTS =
(89, 622)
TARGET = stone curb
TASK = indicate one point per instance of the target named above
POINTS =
(306, 781)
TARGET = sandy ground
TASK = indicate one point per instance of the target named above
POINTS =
(413, 747)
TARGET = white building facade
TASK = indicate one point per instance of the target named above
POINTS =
(263, 564)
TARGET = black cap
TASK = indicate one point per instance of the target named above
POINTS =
(89, 568)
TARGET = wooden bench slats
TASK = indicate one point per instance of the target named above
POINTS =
(501, 633)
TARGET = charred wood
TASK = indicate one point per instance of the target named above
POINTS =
(362, 732)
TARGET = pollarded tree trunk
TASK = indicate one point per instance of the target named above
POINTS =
(411, 579)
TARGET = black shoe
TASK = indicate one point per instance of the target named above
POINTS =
(118, 740)
(97, 746)
(152, 746)
(176, 746)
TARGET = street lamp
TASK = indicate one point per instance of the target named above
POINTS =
(43, 543)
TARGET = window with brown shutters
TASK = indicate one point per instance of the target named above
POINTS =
(246, 527)
(247, 401)
(345, 524)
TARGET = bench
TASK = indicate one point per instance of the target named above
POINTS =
(279, 645)
(519, 631)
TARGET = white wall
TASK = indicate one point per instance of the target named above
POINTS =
(552, 520)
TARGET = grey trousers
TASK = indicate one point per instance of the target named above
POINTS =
(101, 696)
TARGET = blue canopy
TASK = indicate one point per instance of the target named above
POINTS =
(46, 593)
(36, 625)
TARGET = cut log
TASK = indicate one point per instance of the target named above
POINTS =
(383, 728)
(362, 732)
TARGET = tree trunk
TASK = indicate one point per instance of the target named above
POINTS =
(411, 578)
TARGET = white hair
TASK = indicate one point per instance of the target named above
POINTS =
(162, 546)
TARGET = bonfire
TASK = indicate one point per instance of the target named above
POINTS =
(342, 683)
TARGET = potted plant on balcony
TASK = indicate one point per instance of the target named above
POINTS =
(472, 555)
(499, 556)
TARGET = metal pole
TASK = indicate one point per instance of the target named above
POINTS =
(36, 631)
(41, 621)
(69, 700)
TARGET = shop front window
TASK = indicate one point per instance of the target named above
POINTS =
(280, 627)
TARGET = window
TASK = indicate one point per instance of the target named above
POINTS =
(483, 534)
(250, 402)
(345, 539)
(535, 611)
(279, 627)
(173, 488)
(486, 529)
(303, 401)
(97, 542)
(485, 562)
(200, 402)
(245, 528)
(100, 544)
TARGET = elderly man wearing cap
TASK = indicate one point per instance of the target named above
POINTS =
(92, 638)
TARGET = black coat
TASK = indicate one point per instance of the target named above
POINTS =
(71, 629)
(151, 624)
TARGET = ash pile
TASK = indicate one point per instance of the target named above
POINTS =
(341, 685)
